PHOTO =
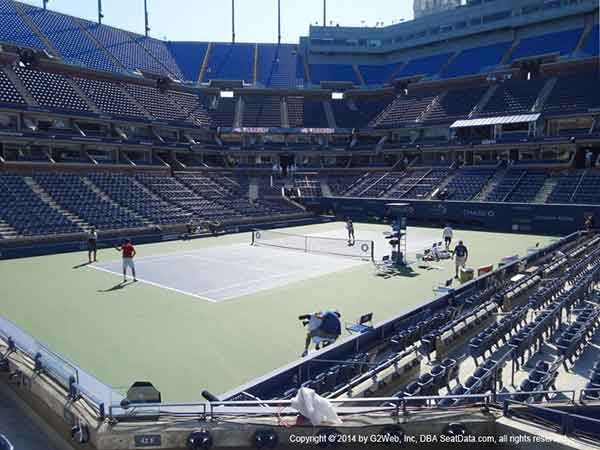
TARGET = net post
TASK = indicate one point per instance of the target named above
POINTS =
(373, 251)
(252, 243)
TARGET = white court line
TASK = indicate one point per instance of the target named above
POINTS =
(246, 287)
(281, 275)
(152, 283)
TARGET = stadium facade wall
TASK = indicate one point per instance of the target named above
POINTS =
(501, 217)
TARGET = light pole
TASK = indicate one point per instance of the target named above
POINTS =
(147, 28)
(279, 21)
(233, 21)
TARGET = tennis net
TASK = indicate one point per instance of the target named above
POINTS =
(314, 244)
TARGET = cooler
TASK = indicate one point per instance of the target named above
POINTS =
(466, 274)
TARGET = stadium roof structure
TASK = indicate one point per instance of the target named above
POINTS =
(503, 120)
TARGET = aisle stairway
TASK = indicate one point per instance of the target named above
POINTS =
(47, 198)
(489, 187)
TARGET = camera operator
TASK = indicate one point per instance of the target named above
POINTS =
(322, 324)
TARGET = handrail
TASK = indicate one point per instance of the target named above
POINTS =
(566, 425)
(284, 407)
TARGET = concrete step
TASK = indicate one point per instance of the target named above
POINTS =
(546, 190)
(253, 189)
(445, 182)
(16, 81)
(325, 189)
(492, 182)
(49, 200)
(105, 197)
(6, 231)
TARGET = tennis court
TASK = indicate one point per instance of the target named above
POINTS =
(231, 271)
(157, 332)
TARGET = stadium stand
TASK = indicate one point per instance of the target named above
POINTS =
(308, 185)
(123, 46)
(51, 90)
(477, 60)
(561, 42)
(27, 213)
(593, 42)
(277, 65)
(8, 93)
(404, 109)
(378, 74)
(574, 93)
(15, 30)
(313, 114)
(513, 97)
(193, 107)
(159, 50)
(295, 111)
(454, 104)
(518, 185)
(357, 112)
(109, 97)
(71, 42)
(173, 191)
(224, 113)
(189, 57)
(262, 111)
(339, 184)
(427, 65)
(468, 182)
(534, 310)
(72, 193)
(230, 62)
(332, 72)
(157, 103)
(86, 142)
(126, 191)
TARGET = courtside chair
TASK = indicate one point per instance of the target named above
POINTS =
(360, 325)
(446, 288)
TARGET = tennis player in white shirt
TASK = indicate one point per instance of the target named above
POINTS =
(447, 234)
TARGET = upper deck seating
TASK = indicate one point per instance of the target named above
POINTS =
(332, 72)
(189, 57)
(562, 42)
(230, 62)
(476, 60)
(14, 29)
(378, 74)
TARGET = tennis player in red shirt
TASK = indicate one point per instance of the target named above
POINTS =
(128, 252)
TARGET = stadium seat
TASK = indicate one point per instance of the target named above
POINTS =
(361, 324)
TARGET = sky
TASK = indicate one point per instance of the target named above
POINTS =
(210, 20)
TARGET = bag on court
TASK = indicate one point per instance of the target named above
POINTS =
(315, 408)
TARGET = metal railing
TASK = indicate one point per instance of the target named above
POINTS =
(77, 382)
(565, 424)
(395, 406)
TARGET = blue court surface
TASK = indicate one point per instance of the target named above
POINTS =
(225, 272)
(222, 273)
